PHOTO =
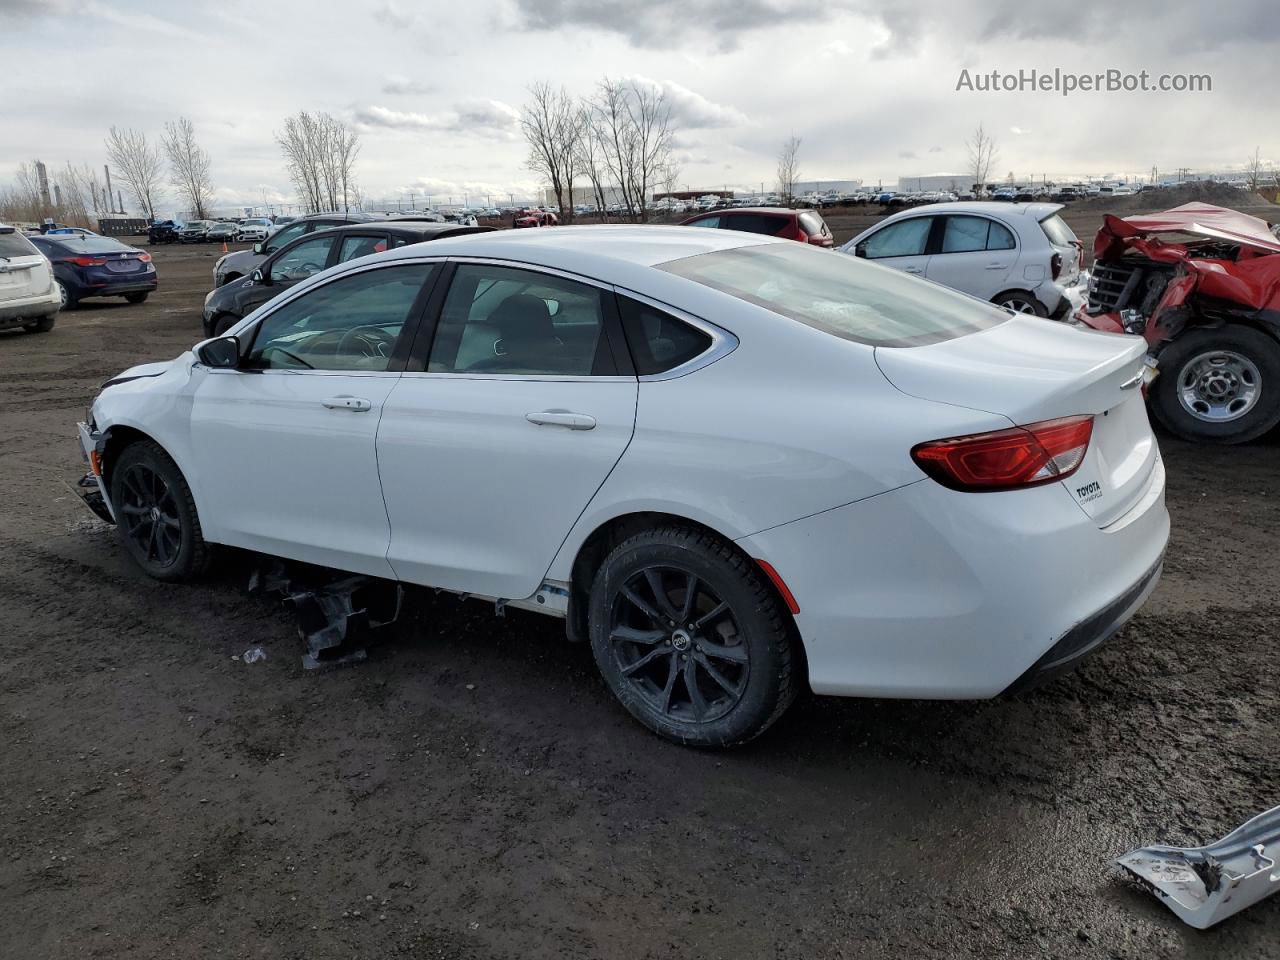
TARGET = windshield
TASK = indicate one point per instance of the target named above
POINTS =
(197, 224)
(16, 245)
(840, 295)
(257, 223)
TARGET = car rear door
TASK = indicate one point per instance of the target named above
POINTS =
(975, 255)
(491, 449)
(284, 445)
(901, 245)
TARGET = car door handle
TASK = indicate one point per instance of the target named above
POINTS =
(354, 404)
(562, 418)
(996, 266)
(912, 270)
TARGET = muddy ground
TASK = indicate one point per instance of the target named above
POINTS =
(473, 792)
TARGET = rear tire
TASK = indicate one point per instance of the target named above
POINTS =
(1219, 385)
(43, 325)
(1021, 302)
(712, 670)
(156, 515)
(70, 300)
(137, 297)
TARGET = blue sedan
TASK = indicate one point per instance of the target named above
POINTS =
(97, 267)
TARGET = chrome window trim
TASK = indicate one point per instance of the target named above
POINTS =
(723, 342)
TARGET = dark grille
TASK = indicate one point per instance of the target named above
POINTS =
(1111, 286)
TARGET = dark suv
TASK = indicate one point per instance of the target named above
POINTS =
(310, 253)
(806, 226)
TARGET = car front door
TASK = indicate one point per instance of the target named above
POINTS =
(285, 269)
(976, 255)
(489, 454)
(284, 444)
(901, 245)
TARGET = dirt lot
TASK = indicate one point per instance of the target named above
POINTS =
(472, 791)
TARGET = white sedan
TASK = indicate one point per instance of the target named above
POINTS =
(738, 466)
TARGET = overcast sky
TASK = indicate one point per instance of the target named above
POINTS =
(434, 87)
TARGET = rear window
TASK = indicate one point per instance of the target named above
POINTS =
(839, 294)
(16, 245)
(757, 223)
(1056, 229)
(93, 245)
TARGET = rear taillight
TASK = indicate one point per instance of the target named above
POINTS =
(1008, 459)
(144, 257)
(88, 261)
(1055, 265)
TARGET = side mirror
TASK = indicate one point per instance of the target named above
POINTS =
(860, 251)
(259, 277)
(222, 353)
(257, 248)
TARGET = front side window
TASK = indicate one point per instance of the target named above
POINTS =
(658, 341)
(352, 323)
(304, 260)
(906, 238)
(283, 238)
(839, 295)
(503, 320)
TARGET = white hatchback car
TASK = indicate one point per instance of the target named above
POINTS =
(1022, 256)
(28, 296)
(737, 465)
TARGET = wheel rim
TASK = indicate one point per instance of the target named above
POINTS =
(677, 645)
(62, 293)
(1018, 305)
(1219, 386)
(149, 514)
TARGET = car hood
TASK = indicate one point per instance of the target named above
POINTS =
(1197, 219)
(242, 261)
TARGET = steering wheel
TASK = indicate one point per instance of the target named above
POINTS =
(371, 342)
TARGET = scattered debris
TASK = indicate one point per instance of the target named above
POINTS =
(254, 655)
(1205, 885)
(335, 616)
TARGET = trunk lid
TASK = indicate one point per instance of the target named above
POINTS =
(23, 276)
(1029, 370)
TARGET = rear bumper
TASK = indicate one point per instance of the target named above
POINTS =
(930, 593)
(110, 287)
(16, 312)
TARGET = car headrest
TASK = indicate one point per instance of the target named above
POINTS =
(522, 316)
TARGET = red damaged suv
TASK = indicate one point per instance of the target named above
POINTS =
(1202, 285)
(807, 226)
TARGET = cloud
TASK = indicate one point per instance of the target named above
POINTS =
(692, 110)
(389, 12)
(1017, 131)
(396, 85)
(935, 149)
(906, 154)
(485, 118)
(668, 23)
(132, 20)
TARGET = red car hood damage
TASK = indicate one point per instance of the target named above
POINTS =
(1202, 287)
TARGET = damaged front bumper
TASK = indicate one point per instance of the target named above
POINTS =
(1205, 885)
(91, 488)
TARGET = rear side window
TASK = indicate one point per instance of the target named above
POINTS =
(837, 294)
(813, 224)
(16, 245)
(972, 234)
(658, 341)
(756, 223)
(360, 246)
(1056, 229)
(705, 222)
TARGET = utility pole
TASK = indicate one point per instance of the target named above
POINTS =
(120, 200)
(107, 193)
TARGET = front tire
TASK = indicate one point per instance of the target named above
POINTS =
(224, 322)
(1219, 385)
(156, 515)
(691, 638)
(137, 297)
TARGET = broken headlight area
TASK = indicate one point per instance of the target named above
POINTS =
(1205, 885)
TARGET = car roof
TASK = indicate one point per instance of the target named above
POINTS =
(1038, 211)
(408, 228)
(588, 249)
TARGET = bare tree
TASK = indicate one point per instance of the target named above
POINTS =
(788, 169)
(1253, 169)
(80, 191)
(590, 157)
(138, 165)
(632, 122)
(553, 128)
(982, 154)
(320, 152)
(22, 201)
(188, 166)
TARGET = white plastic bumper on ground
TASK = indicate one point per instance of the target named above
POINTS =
(928, 592)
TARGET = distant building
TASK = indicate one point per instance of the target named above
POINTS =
(955, 182)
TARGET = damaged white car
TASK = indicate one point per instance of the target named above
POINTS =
(738, 465)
